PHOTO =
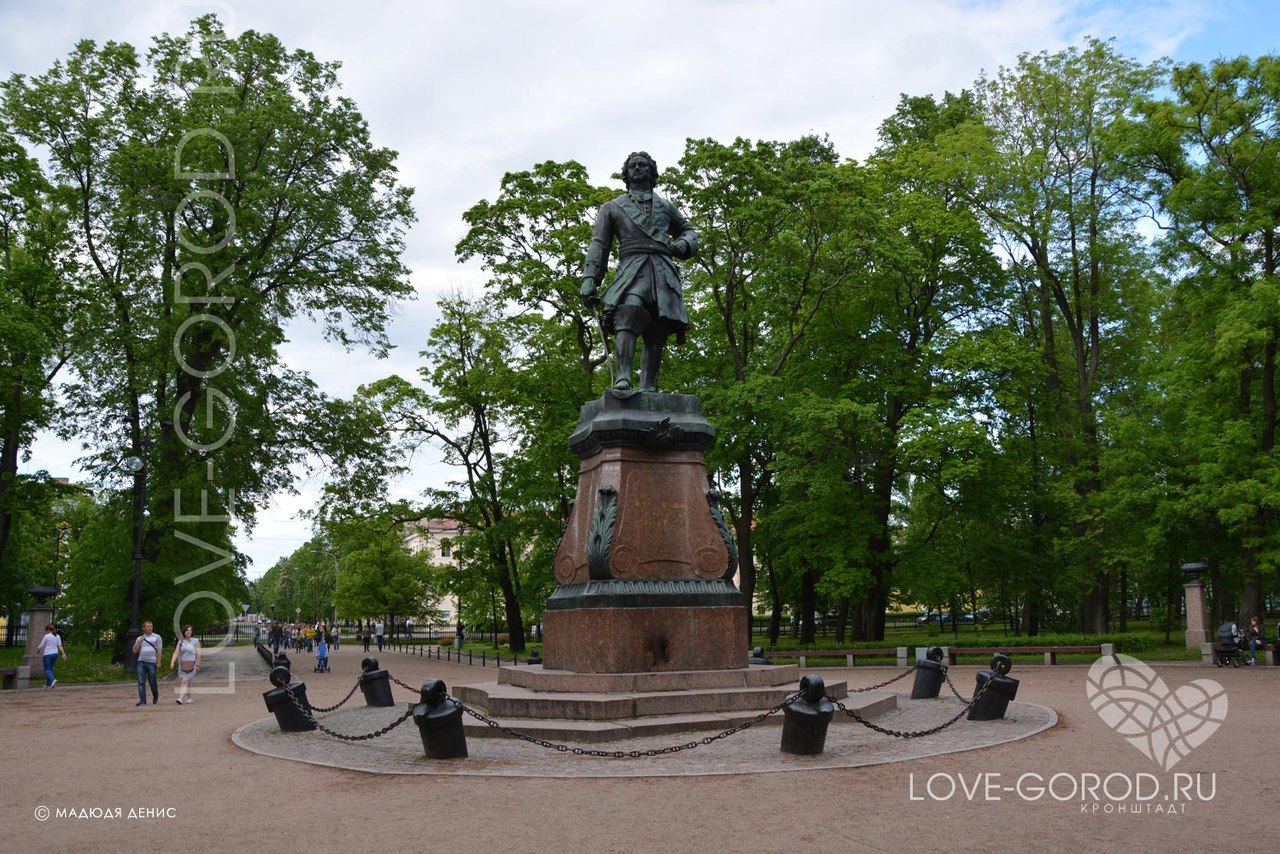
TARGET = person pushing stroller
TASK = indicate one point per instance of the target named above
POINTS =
(322, 657)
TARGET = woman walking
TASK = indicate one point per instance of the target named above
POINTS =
(50, 647)
(186, 658)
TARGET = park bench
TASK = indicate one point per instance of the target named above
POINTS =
(1209, 650)
(850, 655)
(15, 677)
(1050, 653)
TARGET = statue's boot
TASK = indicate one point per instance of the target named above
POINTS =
(650, 360)
(624, 352)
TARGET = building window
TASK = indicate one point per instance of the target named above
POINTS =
(446, 549)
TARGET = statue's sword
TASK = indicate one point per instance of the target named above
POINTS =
(604, 339)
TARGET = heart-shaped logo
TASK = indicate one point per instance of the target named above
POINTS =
(1164, 725)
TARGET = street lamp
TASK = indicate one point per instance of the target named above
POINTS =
(288, 593)
(137, 467)
(334, 555)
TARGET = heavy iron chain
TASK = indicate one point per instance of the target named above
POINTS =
(902, 675)
(627, 754)
(417, 690)
(339, 704)
(344, 737)
(962, 698)
(904, 734)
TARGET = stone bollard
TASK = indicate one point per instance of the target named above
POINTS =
(534, 658)
(804, 722)
(757, 656)
(992, 705)
(439, 720)
(281, 660)
(288, 716)
(376, 684)
(930, 674)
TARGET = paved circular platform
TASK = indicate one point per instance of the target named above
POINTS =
(751, 751)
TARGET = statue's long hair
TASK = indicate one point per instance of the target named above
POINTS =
(653, 167)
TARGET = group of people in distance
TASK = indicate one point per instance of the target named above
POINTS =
(301, 637)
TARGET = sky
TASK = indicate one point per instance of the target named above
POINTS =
(466, 92)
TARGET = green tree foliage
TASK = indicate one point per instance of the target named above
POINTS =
(222, 187)
(38, 295)
(1212, 151)
(472, 355)
(1047, 171)
(380, 577)
(783, 227)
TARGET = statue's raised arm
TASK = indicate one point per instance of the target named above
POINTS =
(645, 298)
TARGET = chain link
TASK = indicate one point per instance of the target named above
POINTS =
(627, 754)
(905, 734)
(903, 675)
(340, 703)
(417, 690)
(962, 698)
(324, 729)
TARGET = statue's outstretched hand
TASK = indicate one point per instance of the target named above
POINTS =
(588, 293)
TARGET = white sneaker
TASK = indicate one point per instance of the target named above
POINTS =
(54, 682)
(188, 701)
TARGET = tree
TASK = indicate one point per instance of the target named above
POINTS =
(782, 228)
(1212, 148)
(471, 358)
(222, 188)
(37, 297)
(380, 577)
(1046, 169)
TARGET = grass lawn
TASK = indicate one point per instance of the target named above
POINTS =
(1144, 642)
(82, 665)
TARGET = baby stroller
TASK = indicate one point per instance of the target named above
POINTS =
(1228, 650)
(322, 658)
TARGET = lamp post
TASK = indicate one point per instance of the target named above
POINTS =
(136, 466)
(334, 616)
(288, 594)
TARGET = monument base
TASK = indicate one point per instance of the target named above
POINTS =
(617, 626)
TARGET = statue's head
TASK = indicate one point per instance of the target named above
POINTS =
(639, 171)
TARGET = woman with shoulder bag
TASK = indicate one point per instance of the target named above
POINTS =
(186, 657)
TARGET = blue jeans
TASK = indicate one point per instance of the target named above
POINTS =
(49, 660)
(147, 674)
(1254, 643)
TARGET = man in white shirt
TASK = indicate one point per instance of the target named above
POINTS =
(147, 646)
(377, 631)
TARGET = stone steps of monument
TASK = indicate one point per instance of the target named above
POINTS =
(535, 677)
(869, 705)
(514, 701)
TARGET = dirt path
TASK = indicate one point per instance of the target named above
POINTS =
(87, 748)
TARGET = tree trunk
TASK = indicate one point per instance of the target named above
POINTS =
(511, 607)
(9, 465)
(1124, 600)
(879, 546)
(742, 530)
(808, 606)
(842, 619)
(775, 618)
